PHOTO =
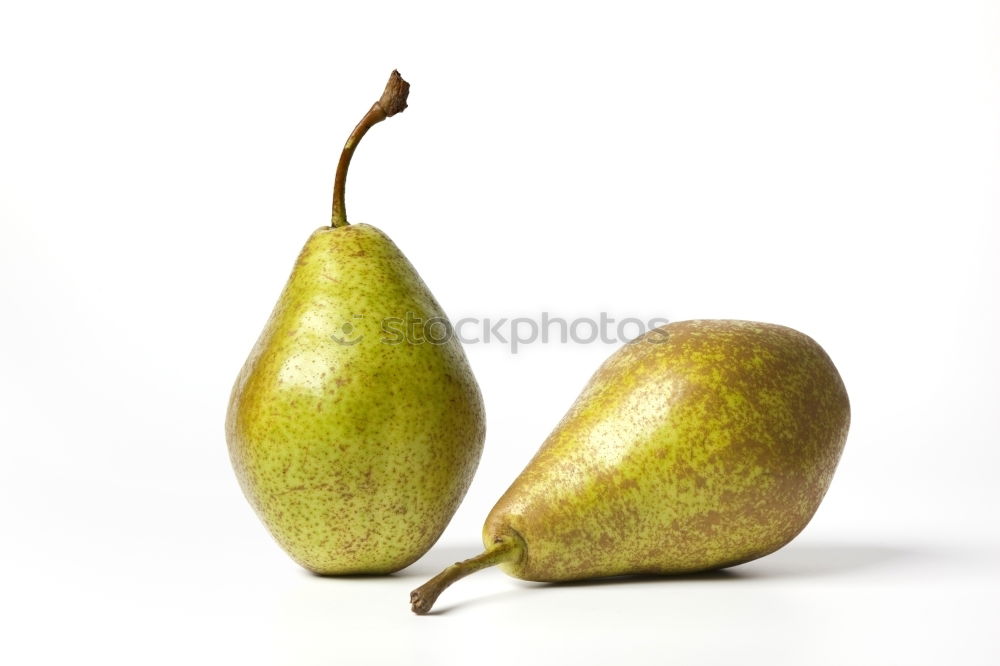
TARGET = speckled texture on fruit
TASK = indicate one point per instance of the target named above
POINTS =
(355, 456)
(700, 445)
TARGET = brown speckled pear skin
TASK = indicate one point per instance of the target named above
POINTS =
(701, 445)
(356, 453)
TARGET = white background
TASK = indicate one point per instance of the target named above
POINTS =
(832, 166)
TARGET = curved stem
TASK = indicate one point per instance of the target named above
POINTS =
(393, 101)
(503, 550)
(374, 115)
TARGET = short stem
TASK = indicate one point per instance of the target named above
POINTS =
(503, 550)
(393, 101)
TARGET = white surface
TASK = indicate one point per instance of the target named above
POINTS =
(830, 166)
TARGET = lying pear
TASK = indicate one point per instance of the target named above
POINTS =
(356, 424)
(700, 445)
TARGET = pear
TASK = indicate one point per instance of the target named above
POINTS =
(355, 425)
(700, 445)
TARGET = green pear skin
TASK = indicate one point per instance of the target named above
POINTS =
(700, 445)
(354, 445)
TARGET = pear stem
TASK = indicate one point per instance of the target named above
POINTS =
(393, 101)
(503, 550)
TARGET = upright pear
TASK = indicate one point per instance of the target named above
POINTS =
(700, 445)
(355, 425)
